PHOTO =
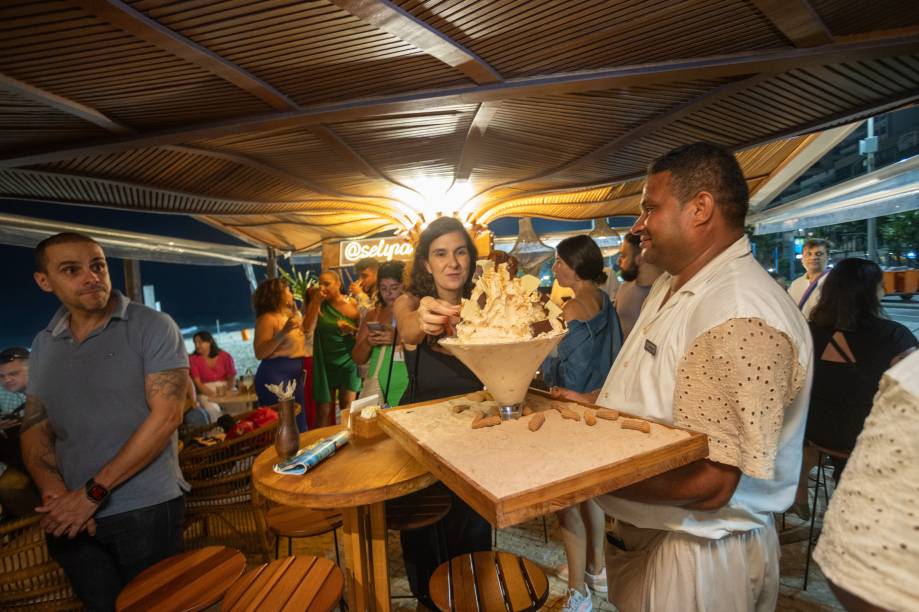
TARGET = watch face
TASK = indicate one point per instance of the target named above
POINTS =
(97, 492)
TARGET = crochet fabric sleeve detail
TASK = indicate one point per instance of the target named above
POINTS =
(734, 384)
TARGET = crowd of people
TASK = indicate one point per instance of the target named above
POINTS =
(697, 335)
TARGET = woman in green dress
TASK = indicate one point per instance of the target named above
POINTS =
(378, 342)
(335, 374)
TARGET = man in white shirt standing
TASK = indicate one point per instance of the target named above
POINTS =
(718, 349)
(805, 290)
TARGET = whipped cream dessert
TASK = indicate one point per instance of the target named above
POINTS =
(506, 308)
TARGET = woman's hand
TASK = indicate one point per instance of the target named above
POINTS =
(437, 316)
(567, 394)
(380, 338)
(290, 325)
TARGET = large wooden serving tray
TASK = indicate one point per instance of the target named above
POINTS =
(510, 474)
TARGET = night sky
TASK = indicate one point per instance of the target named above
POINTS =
(192, 295)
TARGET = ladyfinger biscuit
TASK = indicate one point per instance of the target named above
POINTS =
(486, 422)
(537, 421)
(642, 426)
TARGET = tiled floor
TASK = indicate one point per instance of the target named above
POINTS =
(527, 540)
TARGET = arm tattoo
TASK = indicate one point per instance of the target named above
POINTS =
(169, 384)
(34, 414)
(43, 452)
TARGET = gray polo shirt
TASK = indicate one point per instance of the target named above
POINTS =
(94, 394)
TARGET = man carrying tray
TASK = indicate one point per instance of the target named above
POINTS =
(719, 349)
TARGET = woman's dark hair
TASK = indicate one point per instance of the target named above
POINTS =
(267, 297)
(849, 293)
(583, 256)
(422, 281)
(205, 336)
(393, 270)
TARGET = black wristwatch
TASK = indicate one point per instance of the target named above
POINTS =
(95, 491)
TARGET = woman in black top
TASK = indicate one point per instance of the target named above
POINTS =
(853, 346)
(441, 276)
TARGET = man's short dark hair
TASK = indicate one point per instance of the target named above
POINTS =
(13, 353)
(365, 263)
(41, 256)
(704, 166)
(814, 243)
(633, 239)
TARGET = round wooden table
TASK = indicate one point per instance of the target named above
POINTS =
(186, 582)
(358, 479)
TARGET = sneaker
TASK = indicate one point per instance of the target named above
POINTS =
(596, 582)
(576, 602)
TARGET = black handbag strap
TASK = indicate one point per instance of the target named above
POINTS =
(392, 358)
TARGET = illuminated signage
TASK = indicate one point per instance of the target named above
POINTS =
(382, 249)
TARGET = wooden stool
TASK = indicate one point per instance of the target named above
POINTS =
(305, 583)
(190, 581)
(418, 509)
(822, 455)
(488, 581)
(290, 522)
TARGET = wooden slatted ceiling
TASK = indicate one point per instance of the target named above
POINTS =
(185, 171)
(850, 16)
(73, 54)
(546, 36)
(395, 143)
(556, 129)
(312, 51)
(24, 122)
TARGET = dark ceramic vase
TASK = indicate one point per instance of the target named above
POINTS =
(287, 438)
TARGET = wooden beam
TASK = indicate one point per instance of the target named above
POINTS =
(797, 20)
(779, 60)
(71, 107)
(338, 144)
(643, 130)
(137, 24)
(484, 113)
(386, 16)
(807, 153)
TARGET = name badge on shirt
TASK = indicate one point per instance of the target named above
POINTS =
(651, 347)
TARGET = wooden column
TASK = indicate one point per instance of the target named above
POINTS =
(133, 285)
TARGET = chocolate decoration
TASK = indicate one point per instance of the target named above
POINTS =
(482, 300)
(540, 327)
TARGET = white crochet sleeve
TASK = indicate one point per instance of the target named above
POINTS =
(870, 540)
(734, 384)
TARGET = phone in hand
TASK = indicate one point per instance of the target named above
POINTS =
(376, 327)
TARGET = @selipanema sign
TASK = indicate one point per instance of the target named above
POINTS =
(381, 249)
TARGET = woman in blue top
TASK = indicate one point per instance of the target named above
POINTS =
(582, 362)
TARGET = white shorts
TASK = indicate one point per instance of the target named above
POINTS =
(669, 570)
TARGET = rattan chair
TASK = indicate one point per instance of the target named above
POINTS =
(222, 508)
(29, 578)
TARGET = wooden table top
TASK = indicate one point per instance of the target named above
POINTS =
(190, 581)
(360, 473)
(302, 583)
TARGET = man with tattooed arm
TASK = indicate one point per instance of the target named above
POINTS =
(107, 385)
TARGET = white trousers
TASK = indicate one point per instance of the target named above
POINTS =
(662, 571)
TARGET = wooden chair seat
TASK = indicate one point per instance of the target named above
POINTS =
(488, 581)
(304, 583)
(290, 522)
(183, 583)
(418, 509)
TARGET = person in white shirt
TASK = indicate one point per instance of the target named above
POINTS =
(805, 290)
(718, 349)
(638, 275)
